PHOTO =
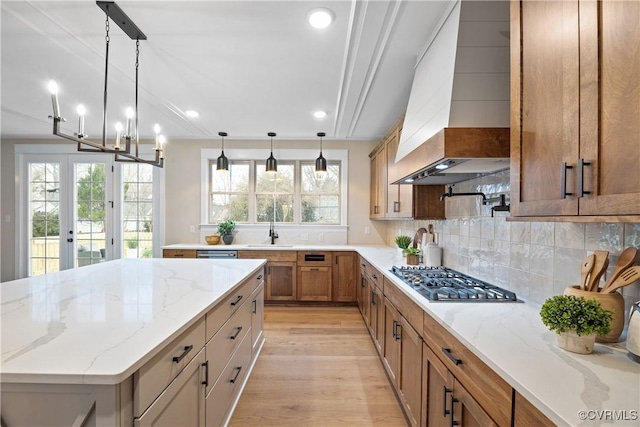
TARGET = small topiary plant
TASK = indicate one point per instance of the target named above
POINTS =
(403, 242)
(563, 313)
(411, 251)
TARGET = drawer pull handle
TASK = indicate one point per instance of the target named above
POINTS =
(233, 304)
(453, 422)
(234, 336)
(178, 255)
(206, 374)
(447, 353)
(235, 377)
(259, 277)
(374, 276)
(373, 298)
(363, 281)
(398, 335)
(187, 349)
(255, 307)
(444, 401)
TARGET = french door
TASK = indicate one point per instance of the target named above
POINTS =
(68, 202)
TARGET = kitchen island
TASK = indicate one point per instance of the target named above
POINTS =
(104, 344)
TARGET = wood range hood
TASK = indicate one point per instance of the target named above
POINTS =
(453, 155)
(456, 126)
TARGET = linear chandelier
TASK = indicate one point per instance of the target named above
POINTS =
(123, 152)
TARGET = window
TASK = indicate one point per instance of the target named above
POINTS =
(44, 216)
(294, 195)
(137, 210)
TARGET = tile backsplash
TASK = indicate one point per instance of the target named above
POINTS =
(534, 259)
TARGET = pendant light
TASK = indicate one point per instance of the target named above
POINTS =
(272, 163)
(222, 164)
(321, 162)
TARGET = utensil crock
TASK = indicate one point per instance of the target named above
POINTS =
(613, 301)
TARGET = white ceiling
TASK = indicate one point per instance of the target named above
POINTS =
(248, 67)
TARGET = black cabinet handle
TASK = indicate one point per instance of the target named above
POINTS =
(581, 164)
(374, 276)
(206, 374)
(234, 336)
(447, 353)
(445, 410)
(178, 255)
(393, 331)
(398, 335)
(453, 401)
(373, 298)
(259, 277)
(187, 349)
(255, 307)
(563, 180)
(363, 281)
(233, 304)
(235, 378)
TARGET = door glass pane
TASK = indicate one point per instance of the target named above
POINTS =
(90, 202)
(137, 210)
(44, 220)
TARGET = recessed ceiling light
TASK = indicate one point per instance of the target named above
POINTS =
(442, 166)
(320, 114)
(320, 18)
(192, 113)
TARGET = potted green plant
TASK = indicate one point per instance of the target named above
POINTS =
(403, 242)
(576, 321)
(225, 229)
(412, 255)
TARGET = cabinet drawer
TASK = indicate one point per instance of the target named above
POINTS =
(178, 253)
(156, 374)
(226, 341)
(217, 316)
(290, 256)
(229, 384)
(182, 403)
(404, 304)
(491, 391)
(313, 258)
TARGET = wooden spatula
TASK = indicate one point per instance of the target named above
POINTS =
(627, 258)
(585, 269)
(599, 267)
(625, 278)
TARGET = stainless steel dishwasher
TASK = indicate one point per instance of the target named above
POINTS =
(216, 254)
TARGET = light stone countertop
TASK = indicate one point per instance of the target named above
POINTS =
(512, 340)
(268, 247)
(98, 324)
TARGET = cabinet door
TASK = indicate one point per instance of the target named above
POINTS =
(375, 300)
(391, 342)
(182, 402)
(380, 315)
(314, 283)
(281, 281)
(345, 273)
(437, 386)
(378, 184)
(410, 378)
(544, 107)
(527, 415)
(466, 411)
(360, 291)
(610, 107)
(257, 319)
(366, 297)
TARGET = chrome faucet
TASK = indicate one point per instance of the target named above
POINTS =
(272, 233)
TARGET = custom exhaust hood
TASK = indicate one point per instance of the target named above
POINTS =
(457, 122)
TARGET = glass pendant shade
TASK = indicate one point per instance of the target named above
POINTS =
(272, 163)
(222, 164)
(321, 162)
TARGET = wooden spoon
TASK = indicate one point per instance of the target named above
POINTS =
(627, 259)
(585, 269)
(627, 277)
(599, 267)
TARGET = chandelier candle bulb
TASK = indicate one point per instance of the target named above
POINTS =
(161, 140)
(81, 112)
(118, 130)
(53, 88)
(156, 129)
(129, 120)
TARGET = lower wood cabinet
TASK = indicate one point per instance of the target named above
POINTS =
(314, 283)
(391, 345)
(280, 283)
(527, 415)
(178, 253)
(344, 276)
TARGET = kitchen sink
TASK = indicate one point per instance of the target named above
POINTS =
(269, 246)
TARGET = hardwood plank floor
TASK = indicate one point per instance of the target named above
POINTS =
(318, 367)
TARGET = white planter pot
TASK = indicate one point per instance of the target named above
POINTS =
(570, 341)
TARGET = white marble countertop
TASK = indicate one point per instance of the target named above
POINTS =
(512, 340)
(98, 324)
(260, 247)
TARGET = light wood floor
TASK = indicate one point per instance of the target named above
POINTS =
(318, 367)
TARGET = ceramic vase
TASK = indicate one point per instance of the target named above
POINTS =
(570, 341)
(227, 238)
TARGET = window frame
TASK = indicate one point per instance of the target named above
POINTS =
(298, 156)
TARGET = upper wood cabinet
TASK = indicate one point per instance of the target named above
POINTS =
(391, 201)
(575, 115)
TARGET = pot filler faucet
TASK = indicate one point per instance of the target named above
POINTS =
(500, 199)
(272, 232)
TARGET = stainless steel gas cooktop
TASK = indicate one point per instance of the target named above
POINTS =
(445, 284)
